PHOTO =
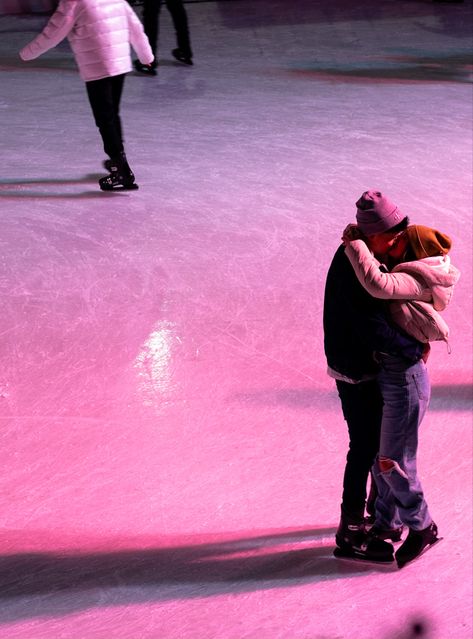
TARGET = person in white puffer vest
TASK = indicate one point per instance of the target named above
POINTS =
(100, 33)
(417, 288)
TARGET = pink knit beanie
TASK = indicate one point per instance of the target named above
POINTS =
(376, 214)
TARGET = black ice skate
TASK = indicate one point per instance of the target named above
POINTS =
(121, 176)
(353, 542)
(394, 534)
(146, 69)
(182, 56)
(417, 542)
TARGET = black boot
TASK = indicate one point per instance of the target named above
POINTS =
(121, 176)
(182, 56)
(354, 542)
(417, 542)
(394, 534)
(146, 69)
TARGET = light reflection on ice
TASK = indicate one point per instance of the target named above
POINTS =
(153, 364)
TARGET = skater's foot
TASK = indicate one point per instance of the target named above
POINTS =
(355, 543)
(183, 56)
(417, 542)
(394, 534)
(146, 69)
(366, 549)
(121, 176)
(115, 182)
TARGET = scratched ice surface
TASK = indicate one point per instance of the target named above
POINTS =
(172, 449)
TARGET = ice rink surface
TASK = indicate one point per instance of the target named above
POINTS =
(172, 449)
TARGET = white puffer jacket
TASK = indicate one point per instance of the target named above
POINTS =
(424, 286)
(100, 33)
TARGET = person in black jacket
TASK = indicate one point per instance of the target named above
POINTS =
(356, 326)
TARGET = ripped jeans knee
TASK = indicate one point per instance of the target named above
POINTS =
(388, 466)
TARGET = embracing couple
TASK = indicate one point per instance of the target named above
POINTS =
(385, 287)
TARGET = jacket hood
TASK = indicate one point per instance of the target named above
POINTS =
(438, 273)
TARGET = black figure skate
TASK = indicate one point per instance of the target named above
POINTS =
(121, 176)
(394, 534)
(182, 56)
(146, 69)
(354, 542)
(416, 544)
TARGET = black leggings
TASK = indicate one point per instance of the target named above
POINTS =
(104, 97)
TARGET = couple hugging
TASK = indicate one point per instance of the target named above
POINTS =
(385, 289)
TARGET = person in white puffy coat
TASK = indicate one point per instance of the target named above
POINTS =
(417, 288)
(100, 33)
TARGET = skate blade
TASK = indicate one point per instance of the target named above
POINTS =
(359, 557)
(401, 564)
(119, 187)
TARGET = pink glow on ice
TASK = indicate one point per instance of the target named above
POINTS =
(172, 448)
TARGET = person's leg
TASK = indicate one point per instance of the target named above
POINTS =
(117, 89)
(104, 96)
(372, 496)
(386, 514)
(406, 394)
(183, 53)
(151, 9)
(102, 102)
(362, 407)
(150, 15)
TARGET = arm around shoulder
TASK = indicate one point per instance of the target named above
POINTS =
(377, 283)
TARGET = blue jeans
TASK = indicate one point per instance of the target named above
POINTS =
(406, 393)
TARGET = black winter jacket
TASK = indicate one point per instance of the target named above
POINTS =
(356, 325)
